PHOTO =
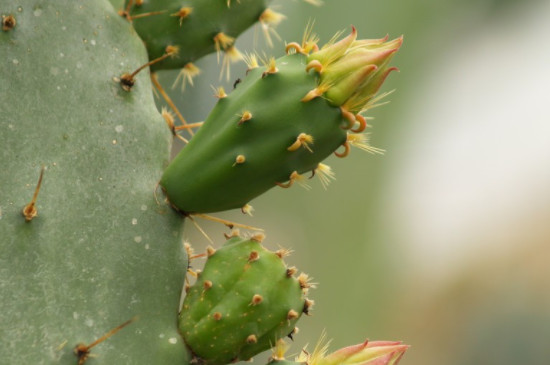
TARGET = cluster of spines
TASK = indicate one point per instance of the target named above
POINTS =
(201, 304)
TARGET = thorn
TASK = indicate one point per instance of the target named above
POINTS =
(316, 65)
(308, 303)
(144, 15)
(207, 284)
(291, 271)
(217, 316)
(30, 211)
(200, 229)
(8, 22)
(82, 351)
(294, 46)
(245, 117)
(279, 350)
(271, 68)
(362, 124)
(189, 126)
(303, 140)
(269, 19)
(361, 141)
(234, 233)
(237, 82)
(258, 237)
(315, 93)
(219, 92)
(292, 314)
(183, 13)
(346, 151)
(254, 256)
(304, 279)
(231, 54)
(187, 73)
(325, 174)
(251, 61)
(256, 299)
(225, 222)
(247, 209)
(160, 89)
(349, 117)
(221, 42)
(283, 252)
(251, 339)
(239, 160)
(294, 176)
(127, 80)
(210, 251)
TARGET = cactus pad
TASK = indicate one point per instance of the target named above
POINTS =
(242, 303)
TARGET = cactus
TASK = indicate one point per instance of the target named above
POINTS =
(280, 122)
(243, 302)
(92, 265)
(100, 251)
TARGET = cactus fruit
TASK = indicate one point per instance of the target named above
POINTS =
(281, 121)
(244, 300)
(196, 28)
(99, 250)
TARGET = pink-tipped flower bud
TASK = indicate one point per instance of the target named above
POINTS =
(367, 353)
(352, 71)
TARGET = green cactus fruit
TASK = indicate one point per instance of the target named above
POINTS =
(244, 300)
(281, 121)
(97, 250)
(197, 28)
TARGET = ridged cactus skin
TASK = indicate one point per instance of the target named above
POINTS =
(101, 250)
(197, 27)
(244, 300)
(281, 122)
(206, 176)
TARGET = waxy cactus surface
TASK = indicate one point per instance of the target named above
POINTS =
(242, 303)
(280, 122)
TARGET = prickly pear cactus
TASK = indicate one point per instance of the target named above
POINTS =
(243, 302)
(196, 27)
(281, 121)
(100, 250)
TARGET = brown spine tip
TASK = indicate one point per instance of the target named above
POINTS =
(207, 284)
(254, 256)
(283, 252)
(303, 279)
(210, 251)
(187, 288)
(8, 22)
(307, 306)
(127, 82)
(30, 211)
(217, 316)
(291, 271)
(257, 299)
(251, 339)
(292, 314)
(258, 237)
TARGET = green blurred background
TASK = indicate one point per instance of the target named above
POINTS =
(444, 241)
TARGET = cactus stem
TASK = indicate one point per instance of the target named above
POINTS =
(251, 339)
(217, 316)
(30, 211)
(315, 65)
(303, 140)
(246, 116)
(229, 3)
(254, 256)
(144, 15)
(183, 13)
(207, 284)
(256, 299)
(227, 223)
(160, 89)
(247, 209)
(186, 75)
(8, 22)
(82, 351)
(292, 314)
(291, 271)
(346, 150)
(239, 160)
(127, 80)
